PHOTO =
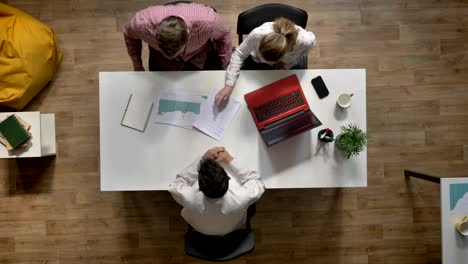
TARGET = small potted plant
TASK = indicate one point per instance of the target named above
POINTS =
(352, 140)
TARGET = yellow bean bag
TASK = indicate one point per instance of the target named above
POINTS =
(29, 57)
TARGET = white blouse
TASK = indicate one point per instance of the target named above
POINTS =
(305, 40)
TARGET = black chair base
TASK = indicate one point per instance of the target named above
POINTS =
(219, 248)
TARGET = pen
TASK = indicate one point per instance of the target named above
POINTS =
(325, 133)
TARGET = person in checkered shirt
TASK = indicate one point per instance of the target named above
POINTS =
(180, 37)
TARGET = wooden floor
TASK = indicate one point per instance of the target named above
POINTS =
(416, 56)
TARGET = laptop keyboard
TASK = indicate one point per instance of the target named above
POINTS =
(278, 106)
(299, 124)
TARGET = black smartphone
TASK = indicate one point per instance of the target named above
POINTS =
(320, 87)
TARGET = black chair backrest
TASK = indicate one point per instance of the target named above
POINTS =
(185, 2)
(219, 248)
(256, 16)
(178, 2)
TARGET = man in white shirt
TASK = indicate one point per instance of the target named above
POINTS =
(215, 192)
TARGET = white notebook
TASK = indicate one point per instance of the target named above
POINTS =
(137, 112)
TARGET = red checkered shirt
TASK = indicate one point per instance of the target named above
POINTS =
(202, 22)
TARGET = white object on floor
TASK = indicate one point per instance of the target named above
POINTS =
(454, 245)
(42, 142)
(48, 142)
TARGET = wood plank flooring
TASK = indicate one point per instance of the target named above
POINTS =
(416, 56)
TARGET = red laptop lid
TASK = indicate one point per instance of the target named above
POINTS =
(271, 92)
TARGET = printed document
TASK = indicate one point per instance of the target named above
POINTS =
(178, 108)
(212, 121)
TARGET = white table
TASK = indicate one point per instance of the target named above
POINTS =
(454, 246)
(42, 131)
(132, 160)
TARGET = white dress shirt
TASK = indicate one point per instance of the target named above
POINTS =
(222, 215)
(305, 40)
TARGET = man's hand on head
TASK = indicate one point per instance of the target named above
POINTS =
(212, 153)
(219, 154)
(225, 157)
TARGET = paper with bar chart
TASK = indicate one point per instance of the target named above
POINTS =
(454, 207)
(178, 108)
(459, 198)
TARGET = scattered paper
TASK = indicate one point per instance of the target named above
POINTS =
(213, 122)
(459, 197)
(178, 108)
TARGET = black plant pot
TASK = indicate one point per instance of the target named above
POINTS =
(337, 144)
(337, 141)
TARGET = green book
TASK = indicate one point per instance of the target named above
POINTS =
(14, 132)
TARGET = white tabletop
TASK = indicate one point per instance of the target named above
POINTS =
(132, 160)
(454, 246)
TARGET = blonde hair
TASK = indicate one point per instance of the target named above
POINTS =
(283, 38)
(171, 35)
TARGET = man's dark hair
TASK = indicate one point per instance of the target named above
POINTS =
(212, 178)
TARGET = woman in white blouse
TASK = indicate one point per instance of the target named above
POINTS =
(274, 45)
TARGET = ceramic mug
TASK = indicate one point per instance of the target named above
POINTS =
(462, 226)
(344, 100)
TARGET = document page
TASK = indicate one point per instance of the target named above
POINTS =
(213, 122)
(459, 197)
(178, 108)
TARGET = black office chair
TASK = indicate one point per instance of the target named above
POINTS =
(256, 16)
(178, 2)
(184, 2)
(221, 248)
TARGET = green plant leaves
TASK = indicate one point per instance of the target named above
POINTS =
(353, 140)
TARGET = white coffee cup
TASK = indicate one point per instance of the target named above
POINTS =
(462, 226)
(344, 100)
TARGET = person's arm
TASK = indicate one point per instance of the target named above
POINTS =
(251, 182)
(233, 70)
(182, 189)
(238, 57)
(133, 43)
(223, 39)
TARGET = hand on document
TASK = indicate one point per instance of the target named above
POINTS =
(212, 121)
(222, 96)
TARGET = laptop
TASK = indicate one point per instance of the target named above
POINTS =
(280, 110)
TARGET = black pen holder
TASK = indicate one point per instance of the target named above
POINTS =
(327, 138)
